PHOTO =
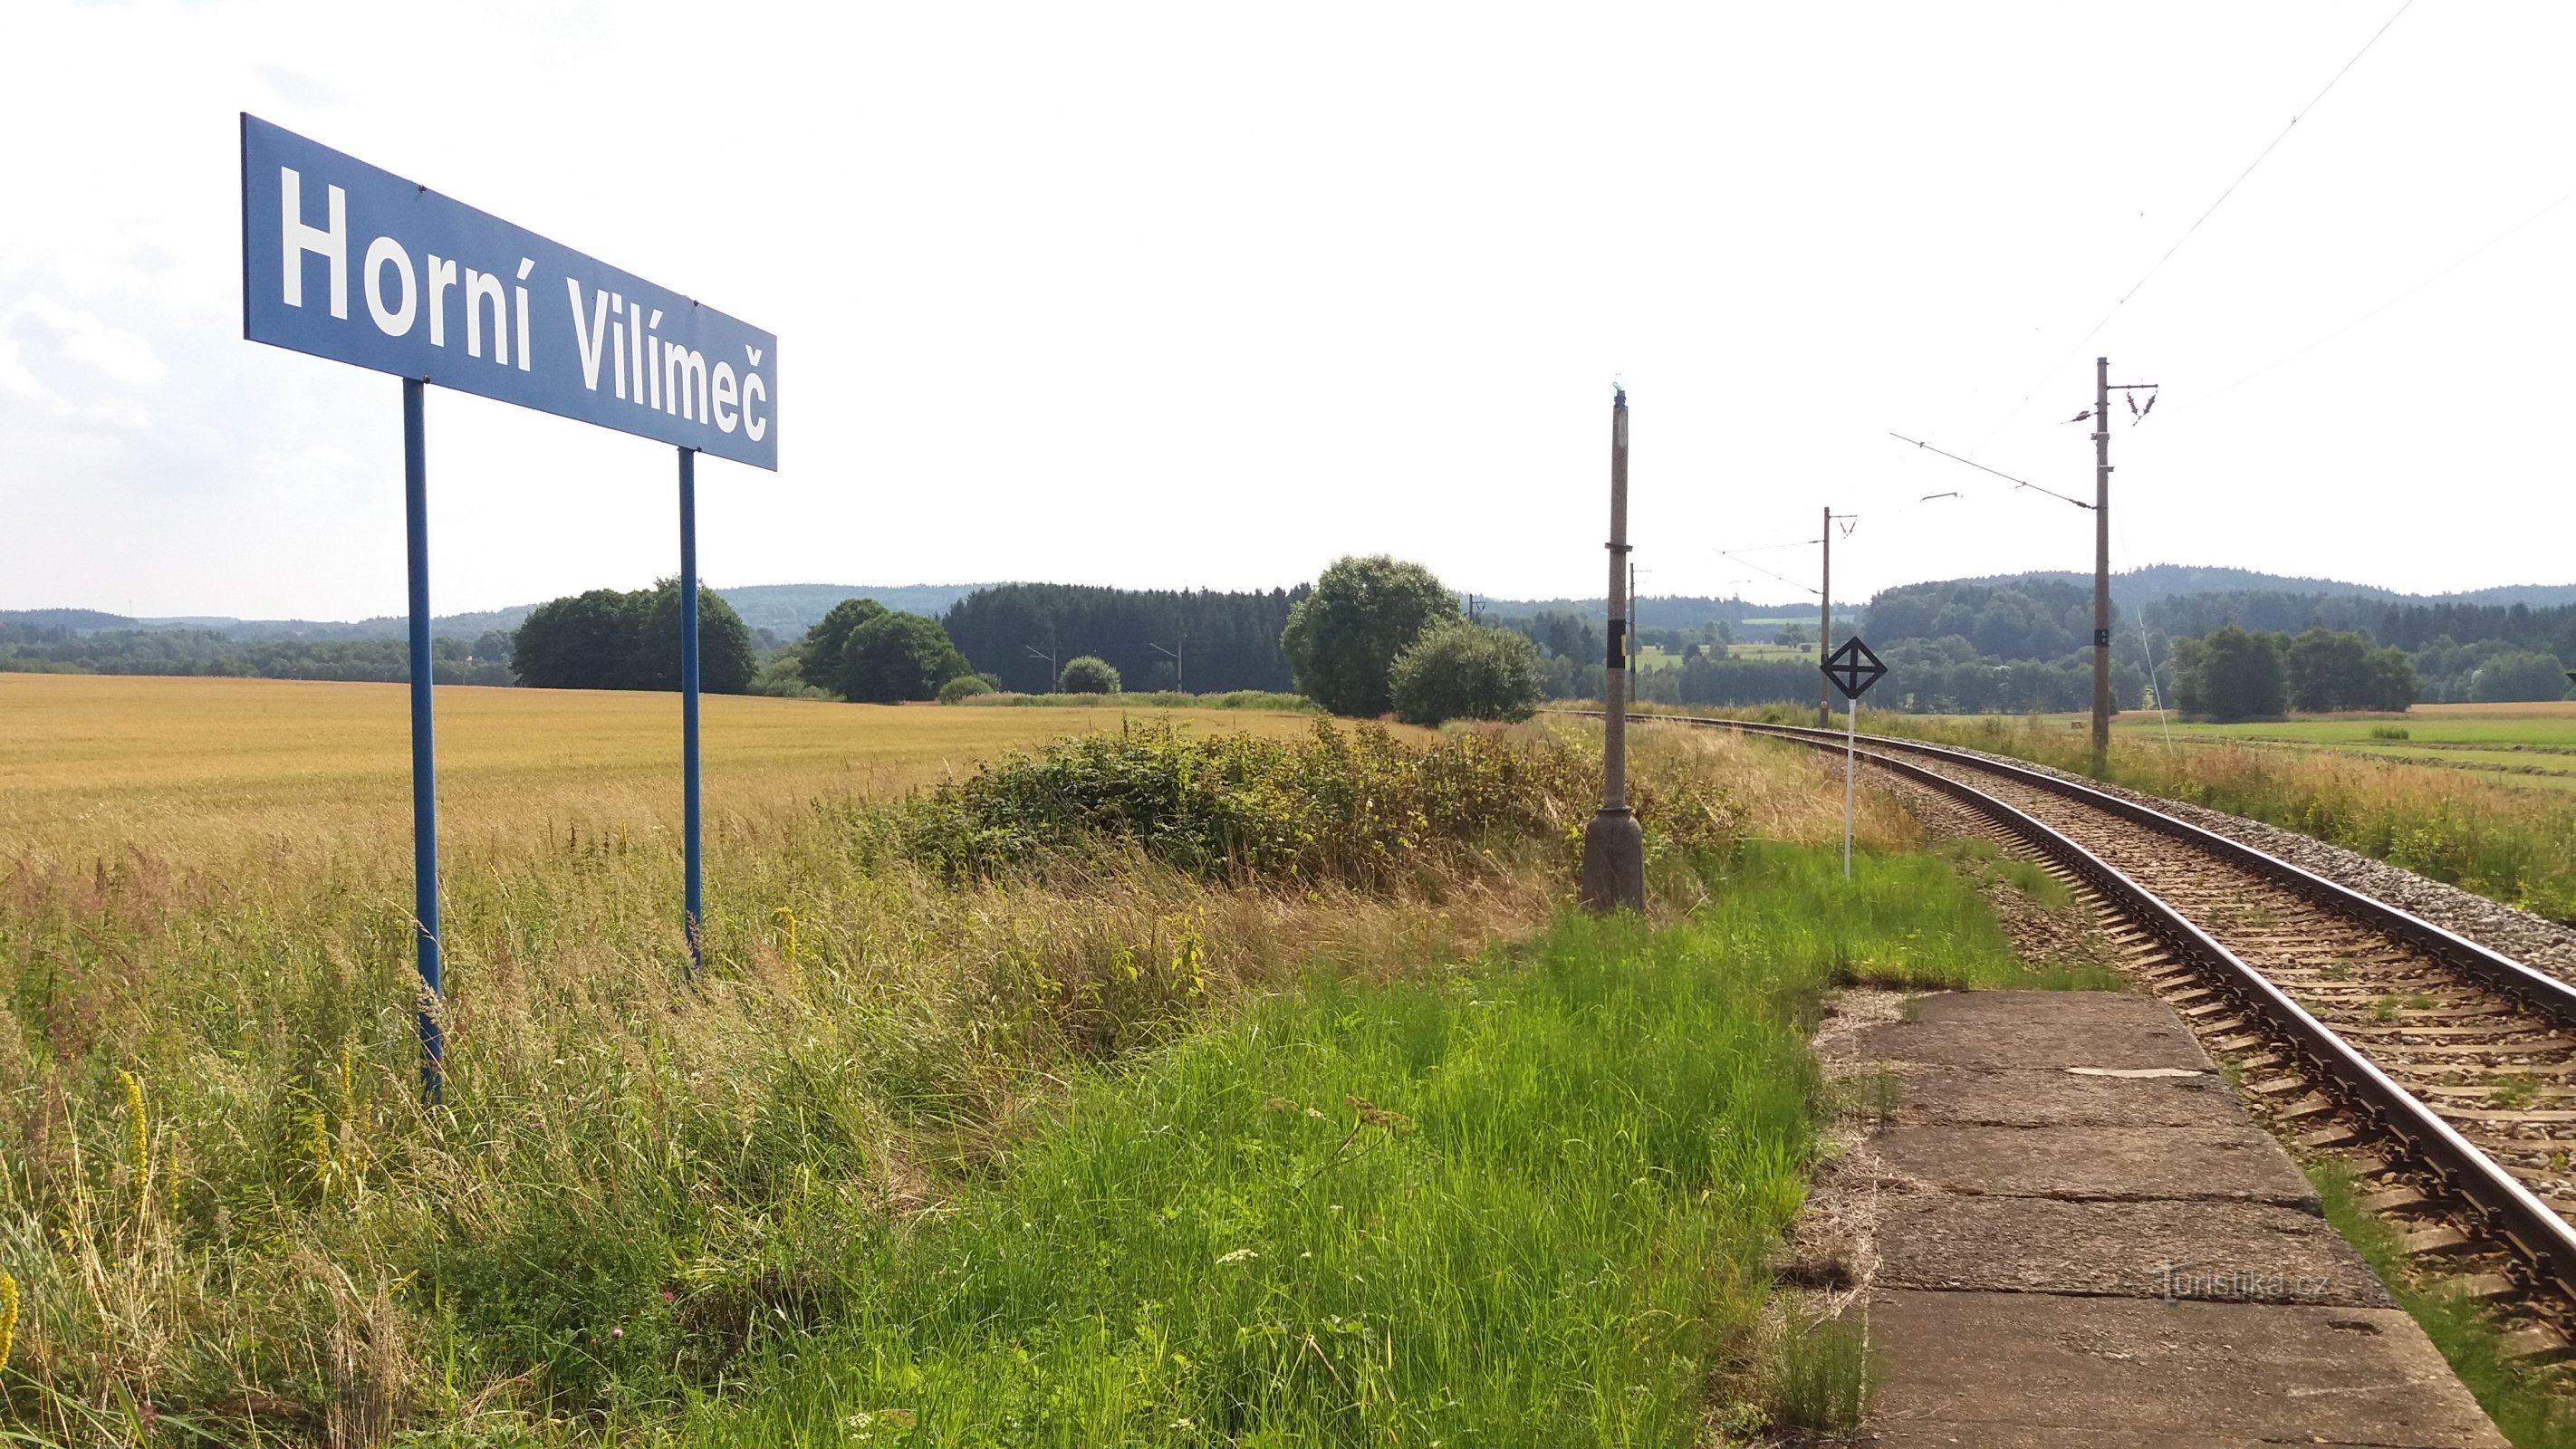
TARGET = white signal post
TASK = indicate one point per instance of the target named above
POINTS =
(1852, 669)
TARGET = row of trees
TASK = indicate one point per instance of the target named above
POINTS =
(2231, 673)
(611, 639)
(1021, 635)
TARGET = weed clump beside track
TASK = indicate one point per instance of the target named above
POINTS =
(1353, 808)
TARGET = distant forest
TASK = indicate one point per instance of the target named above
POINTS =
(56, 649)
(2010, 644)
(1225, 641)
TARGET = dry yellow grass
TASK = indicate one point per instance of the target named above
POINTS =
(194, 769)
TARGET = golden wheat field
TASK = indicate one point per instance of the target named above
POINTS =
(198, 767)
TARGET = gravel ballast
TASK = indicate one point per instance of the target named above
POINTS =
(2535, 941)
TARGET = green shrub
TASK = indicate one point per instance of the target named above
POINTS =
(1088, 674)
(1465, 671)
(1359, 808)
(2390, 732)
(964, 686)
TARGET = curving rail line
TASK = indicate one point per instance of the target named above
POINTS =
(2454, 1063)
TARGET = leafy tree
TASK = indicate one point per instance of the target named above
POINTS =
(1088, 674)
(581, 642)
(2520, 674)
(895, 657)
(1342, 640)
(2392, 683)
(2229, 674)
(726, 658)
(964, 687)
(2328, 671)
(1466, 671)
(821, 647)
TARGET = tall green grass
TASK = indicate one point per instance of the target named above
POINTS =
(1532, 1201)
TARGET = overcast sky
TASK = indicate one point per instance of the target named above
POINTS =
(1208, 295)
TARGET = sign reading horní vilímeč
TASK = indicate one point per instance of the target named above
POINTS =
(349, 262)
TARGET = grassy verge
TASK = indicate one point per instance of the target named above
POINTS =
(230, 1217)
(2528, 1403)
(1528, 1201)
(2513, 845)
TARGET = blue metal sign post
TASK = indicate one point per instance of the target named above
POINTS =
(346, 261)
(694, 854)
(424, 747)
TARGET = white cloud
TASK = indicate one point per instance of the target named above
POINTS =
(115, 354)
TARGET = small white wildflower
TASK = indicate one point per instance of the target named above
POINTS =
(1238, 1255)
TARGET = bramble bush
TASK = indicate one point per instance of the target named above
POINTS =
(1355, 808)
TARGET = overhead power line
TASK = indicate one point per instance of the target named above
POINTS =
(2135, 287)
(2491, 244)
(1982, 468)
(1759, 569)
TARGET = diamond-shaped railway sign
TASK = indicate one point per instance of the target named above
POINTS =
(1853, 669)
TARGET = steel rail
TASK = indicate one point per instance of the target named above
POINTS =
(2542, 992)
(2541, 1242)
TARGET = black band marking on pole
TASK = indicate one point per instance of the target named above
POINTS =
(1618, 655)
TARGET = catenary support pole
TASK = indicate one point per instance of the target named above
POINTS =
(424, 747)
(1825, 625)
(1614, 849)
(2101, 564)
(692, 812)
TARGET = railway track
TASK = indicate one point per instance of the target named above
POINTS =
(2443, 1070)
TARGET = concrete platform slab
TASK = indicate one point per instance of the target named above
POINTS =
(2067, 1010)
(2224, 1252)
(1999, 1369)
(2064, 1257)
(2236, 1162)
(2133, 1033)
(2057, 1097)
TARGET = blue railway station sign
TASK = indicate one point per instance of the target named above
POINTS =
(349, 262)
(346, 261)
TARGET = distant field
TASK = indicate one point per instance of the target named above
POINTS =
(2529, 744)
(1653, 658)
(94, 762)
